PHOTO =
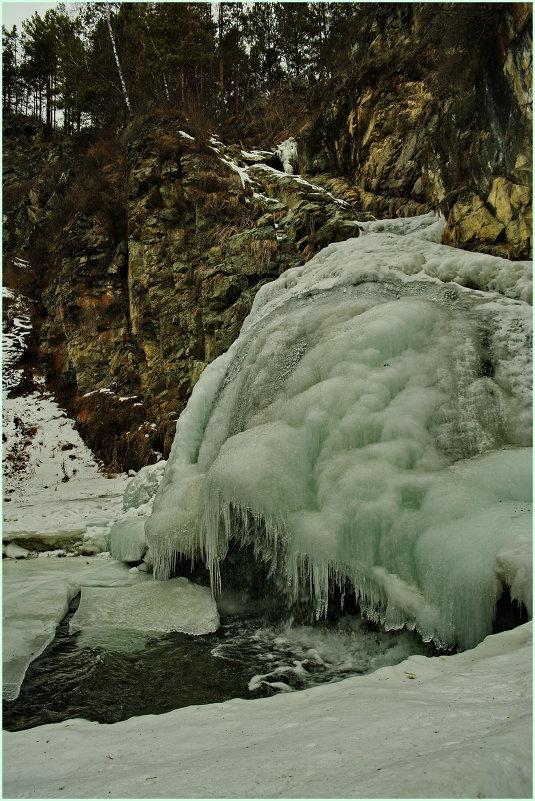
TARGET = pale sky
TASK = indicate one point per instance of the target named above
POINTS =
(14, 13)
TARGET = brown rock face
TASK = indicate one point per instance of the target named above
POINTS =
(435, 113)
(142, 292)
(148, 249)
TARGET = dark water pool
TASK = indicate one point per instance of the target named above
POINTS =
(245, 658)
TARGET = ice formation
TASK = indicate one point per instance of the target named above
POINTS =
(36, 598)
(127, 535)
(127, 539)
(112, 617)
(287, 152)
(142, 487)
(371, 423)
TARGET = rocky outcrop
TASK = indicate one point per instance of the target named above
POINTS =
(147, 246)
(140, 296)
(435, 113)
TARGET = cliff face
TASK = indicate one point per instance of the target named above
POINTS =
(148, 247)
(435, 112)
(151, 280)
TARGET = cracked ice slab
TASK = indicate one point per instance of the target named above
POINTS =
(112, 618)
(36, 594)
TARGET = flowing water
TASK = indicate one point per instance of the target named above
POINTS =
(245, 658)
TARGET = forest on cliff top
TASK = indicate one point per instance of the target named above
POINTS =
(97, 64)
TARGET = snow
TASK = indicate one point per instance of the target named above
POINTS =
(257, 154)
(111, 617)
(311, 188)
(52, 482)
(36, 598)
(444, 727)
(142, 487)
(242, 171)
(53, 487)
(57, 502)
(16, 328)
(287, 153)
(13, 551)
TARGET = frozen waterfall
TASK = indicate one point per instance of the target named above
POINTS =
(370, 424)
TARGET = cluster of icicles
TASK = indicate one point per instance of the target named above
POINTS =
(370, 424)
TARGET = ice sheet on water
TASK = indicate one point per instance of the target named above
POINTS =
(330, 428)
(105, 615)
(36, 595)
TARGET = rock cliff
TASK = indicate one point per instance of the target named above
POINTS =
(153, 268)
(147, 245)
(435, 112)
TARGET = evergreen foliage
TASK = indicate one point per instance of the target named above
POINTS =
(96, 64)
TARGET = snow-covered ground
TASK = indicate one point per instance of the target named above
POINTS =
(56, 502)
(448, 727)
(51, 481)
(53, 488)
(443, 727)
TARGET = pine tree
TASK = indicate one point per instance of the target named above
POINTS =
(40, 65)
(294, 34)
(103, 25)
(10, 70)
(74, 73)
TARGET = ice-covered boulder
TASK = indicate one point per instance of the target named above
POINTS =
(371, 423)
(127, 538)
(142, 488)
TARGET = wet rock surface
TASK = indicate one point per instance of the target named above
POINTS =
(430, 116)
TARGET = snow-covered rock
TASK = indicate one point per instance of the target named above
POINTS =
(142, 487)
(13, 551)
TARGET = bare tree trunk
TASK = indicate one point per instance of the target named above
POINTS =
(118, 63)
(221, 22)
(164, 77)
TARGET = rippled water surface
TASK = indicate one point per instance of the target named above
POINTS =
(245, 658)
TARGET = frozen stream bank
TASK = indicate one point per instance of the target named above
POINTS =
(392, 448)
(455, 727)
